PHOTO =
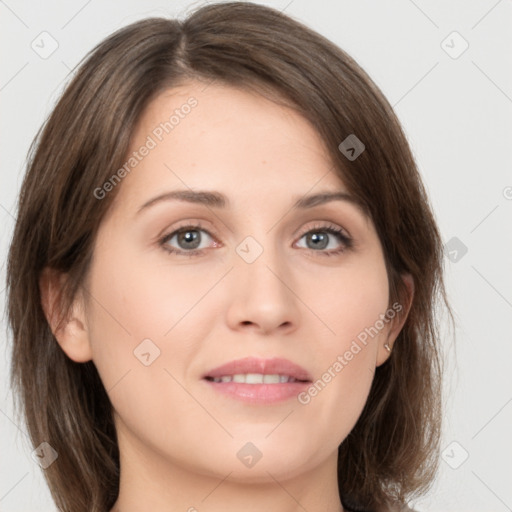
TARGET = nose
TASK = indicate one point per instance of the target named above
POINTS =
(263, 298)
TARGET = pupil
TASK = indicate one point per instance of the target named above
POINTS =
(322, 238)
(189, 237)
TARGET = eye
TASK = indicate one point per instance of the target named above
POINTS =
(324, 237)
(189, 239)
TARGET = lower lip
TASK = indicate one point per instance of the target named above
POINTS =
(259, 393)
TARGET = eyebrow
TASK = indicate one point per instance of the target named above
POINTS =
(216, 199)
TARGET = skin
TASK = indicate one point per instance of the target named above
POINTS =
(178, 438)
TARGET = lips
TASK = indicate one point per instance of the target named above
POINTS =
(258, 381)
(252, 365)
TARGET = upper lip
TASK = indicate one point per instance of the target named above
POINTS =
(274, 366)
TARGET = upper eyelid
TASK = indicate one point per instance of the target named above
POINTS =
(326, 225)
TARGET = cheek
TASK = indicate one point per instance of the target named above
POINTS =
(134, 301)
(129, 316)
(350, 300)
(352, 307)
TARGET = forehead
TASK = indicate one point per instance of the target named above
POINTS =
(225, 138)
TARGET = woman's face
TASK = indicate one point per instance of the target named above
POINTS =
(257, 271)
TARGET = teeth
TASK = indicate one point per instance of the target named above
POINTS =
(255, 378)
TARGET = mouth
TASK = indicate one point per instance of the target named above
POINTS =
(256, 380)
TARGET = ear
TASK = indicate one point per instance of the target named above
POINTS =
(70, 332)
(395, 324)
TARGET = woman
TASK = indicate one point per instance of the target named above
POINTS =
(181, 340)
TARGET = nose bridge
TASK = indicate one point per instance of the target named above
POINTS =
(261, 264)
(263, 290)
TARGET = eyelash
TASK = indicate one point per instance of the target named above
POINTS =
(346, 241)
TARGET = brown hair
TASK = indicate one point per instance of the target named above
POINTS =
(391, 454)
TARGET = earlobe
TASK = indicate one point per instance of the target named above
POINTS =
(397, 322)
(70, 332)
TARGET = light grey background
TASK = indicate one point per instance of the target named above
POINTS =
(456, 111)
